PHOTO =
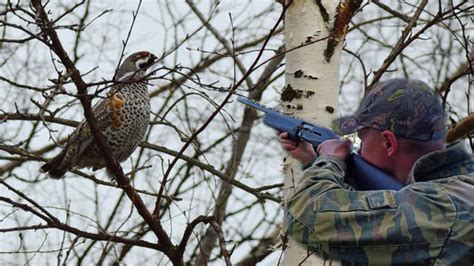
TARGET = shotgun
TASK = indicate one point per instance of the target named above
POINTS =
(361, 174)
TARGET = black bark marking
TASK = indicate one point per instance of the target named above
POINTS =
(288, 94)
(330, 109)
(329, 51)
(345, 10)
(311, 77)
(322, 10)
(298, 73)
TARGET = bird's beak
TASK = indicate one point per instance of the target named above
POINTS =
(151, 60)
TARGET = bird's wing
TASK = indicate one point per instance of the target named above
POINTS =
(116, 112)
(109, 114)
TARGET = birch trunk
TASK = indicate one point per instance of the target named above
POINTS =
(311, 87)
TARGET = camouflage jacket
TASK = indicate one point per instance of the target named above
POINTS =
(429, 221)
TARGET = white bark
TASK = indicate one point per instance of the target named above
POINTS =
(315, 82)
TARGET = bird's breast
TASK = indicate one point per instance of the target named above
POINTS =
(133, 120)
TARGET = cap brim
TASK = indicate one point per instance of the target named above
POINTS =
(345, 125)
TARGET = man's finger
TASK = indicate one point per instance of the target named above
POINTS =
(288, 142)
(283, 135)
(289, 147)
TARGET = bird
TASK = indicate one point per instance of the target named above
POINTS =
(122, 117)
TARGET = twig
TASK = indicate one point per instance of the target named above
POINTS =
(402, 42)
(211, 117)
(64, 227)
(391, 11)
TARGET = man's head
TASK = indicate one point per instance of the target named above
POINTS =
(408, 108)
(398, 121)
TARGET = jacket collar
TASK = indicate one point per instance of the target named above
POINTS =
(455, 159)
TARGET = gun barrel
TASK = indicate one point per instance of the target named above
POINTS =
(252, 104)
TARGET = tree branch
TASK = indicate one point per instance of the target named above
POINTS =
(112, 164)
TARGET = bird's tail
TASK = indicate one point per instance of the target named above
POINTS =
(55, 167)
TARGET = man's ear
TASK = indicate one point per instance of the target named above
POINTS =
(390, 142)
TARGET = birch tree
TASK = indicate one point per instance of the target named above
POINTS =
(314, 35)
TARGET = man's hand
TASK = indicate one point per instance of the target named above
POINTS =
(304, 152)
(335, 147)
(301, 151)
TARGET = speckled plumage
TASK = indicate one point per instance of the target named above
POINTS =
(122, 117)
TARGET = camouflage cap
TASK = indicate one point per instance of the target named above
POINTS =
(409, 108)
